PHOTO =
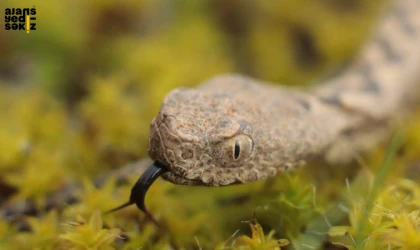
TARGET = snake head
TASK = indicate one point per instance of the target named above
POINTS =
(203, 139)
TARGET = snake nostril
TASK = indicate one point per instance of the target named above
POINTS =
(187, 153)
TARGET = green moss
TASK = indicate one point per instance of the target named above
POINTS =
(86, 235)
(95, 77)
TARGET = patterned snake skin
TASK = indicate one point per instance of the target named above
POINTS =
(234, 129)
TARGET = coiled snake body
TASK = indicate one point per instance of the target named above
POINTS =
(234, 129)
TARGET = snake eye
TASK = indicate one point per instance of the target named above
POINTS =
(234, 151)
(237, 150)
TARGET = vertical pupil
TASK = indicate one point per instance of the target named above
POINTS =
(237, 149)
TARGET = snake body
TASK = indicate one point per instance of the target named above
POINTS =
(235, 129)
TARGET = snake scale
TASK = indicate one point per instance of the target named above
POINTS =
(235, 129)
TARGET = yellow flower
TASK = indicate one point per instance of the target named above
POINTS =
(407, 233)
(91, 235)
(43, 234)
(127, 131)
(92, 198)
(259, 241)
(43, 174)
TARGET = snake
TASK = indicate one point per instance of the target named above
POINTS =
(234, 129)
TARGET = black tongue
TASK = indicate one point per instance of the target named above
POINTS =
(138, 192)
(128, 203)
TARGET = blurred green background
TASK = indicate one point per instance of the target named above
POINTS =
(77, 96)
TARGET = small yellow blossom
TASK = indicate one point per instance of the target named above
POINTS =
(90, 235)
(259, 241)
(407, 233)
(93, 198)
(43, 233)
(42, 175)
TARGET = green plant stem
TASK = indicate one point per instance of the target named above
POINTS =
(379, 179)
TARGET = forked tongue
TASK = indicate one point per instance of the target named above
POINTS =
(139, 190)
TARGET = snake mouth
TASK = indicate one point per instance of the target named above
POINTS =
(181, 180)
(164, 141)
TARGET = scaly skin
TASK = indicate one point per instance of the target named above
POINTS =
(277, 129)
